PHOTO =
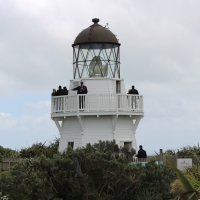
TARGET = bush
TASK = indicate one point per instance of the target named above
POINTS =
(158, 179)
(6, 152)
(47, 174)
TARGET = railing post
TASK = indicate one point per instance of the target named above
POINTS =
(142, 103)
(56, 99)
(64, 107)
(62, 104)
(77, 103)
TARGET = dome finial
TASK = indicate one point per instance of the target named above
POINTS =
(95, 20)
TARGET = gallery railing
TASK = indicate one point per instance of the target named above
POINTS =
(97, 102)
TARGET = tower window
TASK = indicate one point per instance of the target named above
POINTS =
(71, 144)
(118, 87)
(129, 144)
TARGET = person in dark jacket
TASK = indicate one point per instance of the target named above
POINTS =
(60, 99)
(82, 89)
(60, 91)
(65, 91)
(133, 98)
(141, 153)
(54, 93)
(133, 90)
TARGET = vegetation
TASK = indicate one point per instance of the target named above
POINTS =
(38, 149)
(185, 151)
(187, 186)
(3, 197)
(46, 174)
(6, 152)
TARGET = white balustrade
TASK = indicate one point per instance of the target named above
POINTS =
(97, 102)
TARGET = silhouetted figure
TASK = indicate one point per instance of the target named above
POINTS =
(60, 91)
(60, 99)
(134, 99)
(133, 90)
(141, 153)
(65, 91)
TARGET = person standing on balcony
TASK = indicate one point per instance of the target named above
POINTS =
(141, 153)
(133, 90)
(133, 98)
(82, 89)
(65, 91)
(60, 91)
(60, 101)
(54, 93)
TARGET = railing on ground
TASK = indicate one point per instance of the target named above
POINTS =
(97, 102)
(7, 163)
(173, 159)
(159, 159)
(163, 159)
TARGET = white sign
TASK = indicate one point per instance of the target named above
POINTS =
(183, 162)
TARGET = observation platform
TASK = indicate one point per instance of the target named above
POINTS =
(97, 104)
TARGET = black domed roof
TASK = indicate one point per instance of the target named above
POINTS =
(96, 34)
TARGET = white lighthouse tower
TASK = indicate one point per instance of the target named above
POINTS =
(106, 112)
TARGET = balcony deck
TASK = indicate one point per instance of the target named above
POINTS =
(97, 104)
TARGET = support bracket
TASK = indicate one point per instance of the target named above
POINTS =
(135, 124)
(81, 124)
(58, 125)
(114, 122)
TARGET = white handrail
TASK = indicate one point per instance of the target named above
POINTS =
(97, 102)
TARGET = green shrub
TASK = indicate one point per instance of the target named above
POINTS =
(148, 195)
(47, 174)
(6, 152)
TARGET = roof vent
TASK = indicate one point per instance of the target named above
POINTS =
(95, 20)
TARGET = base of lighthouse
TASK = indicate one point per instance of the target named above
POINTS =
(78, 131)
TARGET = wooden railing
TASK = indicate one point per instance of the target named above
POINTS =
(97, 102)
(7, 163)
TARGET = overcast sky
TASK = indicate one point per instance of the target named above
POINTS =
(160, 55)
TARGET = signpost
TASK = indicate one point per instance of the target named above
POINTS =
(183, 162)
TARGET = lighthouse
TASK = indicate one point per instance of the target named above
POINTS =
(106, 112)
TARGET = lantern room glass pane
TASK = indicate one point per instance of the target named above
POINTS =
(96, 60)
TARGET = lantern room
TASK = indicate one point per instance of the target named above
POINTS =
(96, 53)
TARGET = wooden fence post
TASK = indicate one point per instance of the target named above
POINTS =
(161, 155)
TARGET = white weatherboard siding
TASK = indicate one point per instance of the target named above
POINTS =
(124, 131)
(98, 86)
(71, 132)
(97, 128)
(123, 90)
(112, 85)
